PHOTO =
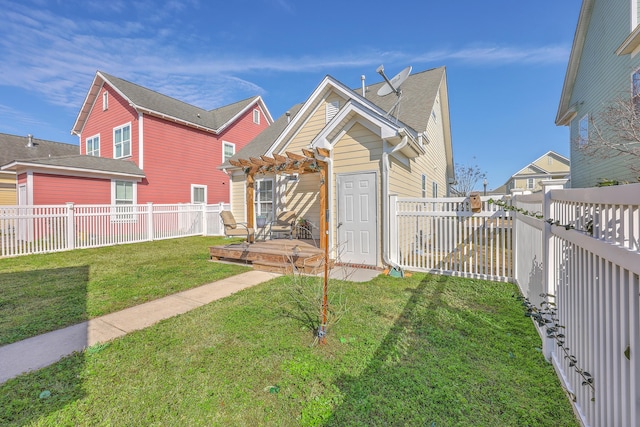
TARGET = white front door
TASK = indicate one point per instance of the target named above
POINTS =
(357, 219)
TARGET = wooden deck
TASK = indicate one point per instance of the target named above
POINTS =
(279, 255)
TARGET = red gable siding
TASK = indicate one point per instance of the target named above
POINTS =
(60, 189)
(176, 156)
(102, 122)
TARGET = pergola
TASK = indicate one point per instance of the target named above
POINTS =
(309, 162)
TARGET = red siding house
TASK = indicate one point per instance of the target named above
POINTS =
(139, 146)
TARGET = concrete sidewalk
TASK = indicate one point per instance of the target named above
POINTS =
(43, 350)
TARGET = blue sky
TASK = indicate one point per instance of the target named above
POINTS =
(505, 60)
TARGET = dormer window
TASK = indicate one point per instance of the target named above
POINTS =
(105, 100)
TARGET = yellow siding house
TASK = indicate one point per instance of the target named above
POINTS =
(378, 146)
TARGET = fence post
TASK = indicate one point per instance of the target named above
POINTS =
(549, 259)
(150, 234)
(393, 228)
(204, 219)
(71, 226)
(220, 223)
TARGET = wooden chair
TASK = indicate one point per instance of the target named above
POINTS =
(236, 229)
(284, 223)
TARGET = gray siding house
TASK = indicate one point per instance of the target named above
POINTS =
(603, 70)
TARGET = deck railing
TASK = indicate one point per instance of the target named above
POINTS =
(39, 229)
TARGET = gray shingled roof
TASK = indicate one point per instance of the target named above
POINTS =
(14, 147)
(163, 104)
(261, 143)
(419, 92)
(88, 163)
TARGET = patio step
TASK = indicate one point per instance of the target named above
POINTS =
(273, 267)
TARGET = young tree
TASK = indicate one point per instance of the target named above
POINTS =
(467, 176)
(614, 133)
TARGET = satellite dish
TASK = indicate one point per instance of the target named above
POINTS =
(393, 85)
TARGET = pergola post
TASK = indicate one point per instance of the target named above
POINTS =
(295, 163)
(250, 194)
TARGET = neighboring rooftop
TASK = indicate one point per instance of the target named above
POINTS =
(155, 103)
(14, 147)
(82, 162)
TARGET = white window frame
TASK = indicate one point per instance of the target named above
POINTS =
(94, 151)
(119, 211)
(434, 188)
(424, 186)
(258, 203)
(105, 100)
(635, 89)
(227, 144)
(115, 144)
(531, 183)
(198, 187)
(256, 116)
(331, 110)
(583, 130)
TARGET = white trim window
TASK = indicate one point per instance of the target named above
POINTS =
(530, 183)
(123, 196)
(635, 89)
(424, 186)
(122, 141)
(124, 192)
(228, 150)
(198, 194)
(92, 146)
(263, 198)
(105, 100)
(435, 189)
(583, 130)
(256, 116)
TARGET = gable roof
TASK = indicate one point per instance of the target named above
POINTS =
(151, 102)
(81, 163)
(539, 168)
(567, 112)
(419, 93)
(14, 147)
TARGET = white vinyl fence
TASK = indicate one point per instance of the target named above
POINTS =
(444, 235)
(578, 266)
(40, 229)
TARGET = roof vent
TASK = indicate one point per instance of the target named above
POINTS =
(30, 141)
(288, 114)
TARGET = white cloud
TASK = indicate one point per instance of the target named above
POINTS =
(45, 52)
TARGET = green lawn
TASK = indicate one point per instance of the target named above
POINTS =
(419, 351)
(41, 293)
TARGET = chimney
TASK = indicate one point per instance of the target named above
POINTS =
(30, 141)
(364, 93)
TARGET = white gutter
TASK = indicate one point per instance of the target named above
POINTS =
(385, 198)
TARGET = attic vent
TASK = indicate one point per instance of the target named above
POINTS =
(332, 110)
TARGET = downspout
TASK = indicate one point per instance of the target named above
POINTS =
(385, 199)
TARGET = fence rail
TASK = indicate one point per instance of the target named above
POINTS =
(40, 229)
(579, 267)
(445, 235)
